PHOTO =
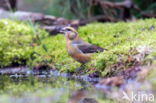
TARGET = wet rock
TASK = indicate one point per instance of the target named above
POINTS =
(95, 74)
(112, 81)
(13, 70)
(130, 73)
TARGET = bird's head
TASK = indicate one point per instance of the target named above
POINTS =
(69, 32)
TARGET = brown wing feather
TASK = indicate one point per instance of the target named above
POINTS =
(90, 48)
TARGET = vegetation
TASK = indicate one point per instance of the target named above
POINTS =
(126, 66)
(24, 44)
(17, 40)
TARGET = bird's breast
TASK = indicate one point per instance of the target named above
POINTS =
(75, 53)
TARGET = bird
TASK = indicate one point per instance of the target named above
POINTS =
(78, 49)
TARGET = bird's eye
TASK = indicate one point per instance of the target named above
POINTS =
(68, 30)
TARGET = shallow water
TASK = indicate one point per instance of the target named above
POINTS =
(22, 85)
(48, 88)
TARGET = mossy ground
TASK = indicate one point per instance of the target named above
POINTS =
(23, 43)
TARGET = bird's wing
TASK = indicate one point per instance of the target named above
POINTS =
(88, 48)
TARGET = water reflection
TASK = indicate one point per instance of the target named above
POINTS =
(82, 96)
(44, 89)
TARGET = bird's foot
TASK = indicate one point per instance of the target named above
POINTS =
(80, 70)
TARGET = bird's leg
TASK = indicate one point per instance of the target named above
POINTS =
(80, 69)
(83, 66)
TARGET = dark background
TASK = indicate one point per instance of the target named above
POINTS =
(109, 10)
(82, 9)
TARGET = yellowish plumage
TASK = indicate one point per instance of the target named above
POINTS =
(76, 53)
(77, 48)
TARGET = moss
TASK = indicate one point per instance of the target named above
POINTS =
(16, 42)
(19, 42)
(118, 38)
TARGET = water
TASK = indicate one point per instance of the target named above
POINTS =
(22, 85)
(47, 87)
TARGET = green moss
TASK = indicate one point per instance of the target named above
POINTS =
(119, 38)
(16, 42)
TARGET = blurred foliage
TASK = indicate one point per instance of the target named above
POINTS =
(83, 9)
(147, 5)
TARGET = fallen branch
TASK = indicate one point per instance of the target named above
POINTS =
(49, 23)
